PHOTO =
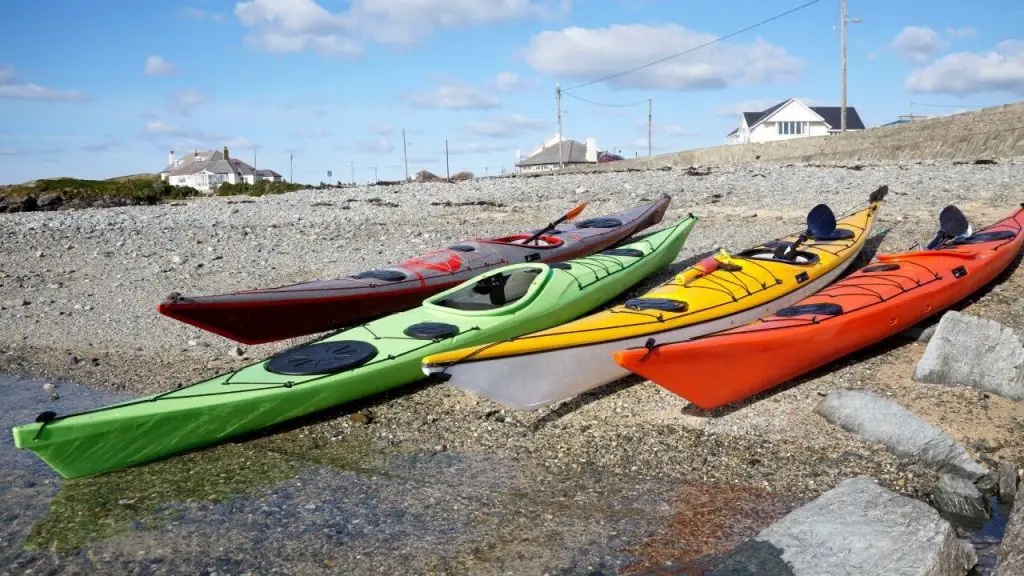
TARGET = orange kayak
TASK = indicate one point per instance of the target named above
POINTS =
(890, 294)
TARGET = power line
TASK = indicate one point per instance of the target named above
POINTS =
(695, 48)
(644, 101)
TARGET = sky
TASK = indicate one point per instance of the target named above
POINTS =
(108, 88)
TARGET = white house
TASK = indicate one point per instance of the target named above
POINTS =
(545, 157)
(206, 171)
(792, 119)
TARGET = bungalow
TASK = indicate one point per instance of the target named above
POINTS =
(269, 175)
(545, 157)
(792, 119)
(206, 171)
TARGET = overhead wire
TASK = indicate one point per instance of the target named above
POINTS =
(695, 48)
(644, 101)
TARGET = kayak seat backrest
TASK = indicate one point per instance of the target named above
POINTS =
(494, 291)
(837, 234)
(767, 252)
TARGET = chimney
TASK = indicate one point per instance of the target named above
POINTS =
(170, 158)
(226, 157)
(591, 150)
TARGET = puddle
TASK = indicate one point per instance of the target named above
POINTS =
(987, 536)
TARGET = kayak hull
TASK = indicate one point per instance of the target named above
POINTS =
(272, 314)
(538, 369)
(353, 363)
(889, 295)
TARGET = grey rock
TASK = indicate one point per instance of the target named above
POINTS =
(1007, 482)
(1011, 551)
(958, 496)
(856, 528)
(971, 351)
(901, 431)
(236, 352)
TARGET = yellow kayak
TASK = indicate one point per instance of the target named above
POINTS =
(718, 293)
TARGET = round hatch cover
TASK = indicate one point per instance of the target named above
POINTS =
(431, 330)
(604, 222)
(322, 358)
(823, 308)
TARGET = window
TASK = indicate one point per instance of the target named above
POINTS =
(792, 128)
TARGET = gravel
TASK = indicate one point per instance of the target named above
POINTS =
(78, 291)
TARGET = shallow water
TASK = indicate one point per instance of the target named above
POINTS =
(298, 504)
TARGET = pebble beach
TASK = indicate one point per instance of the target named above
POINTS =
(627, 478)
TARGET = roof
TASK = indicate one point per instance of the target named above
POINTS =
(830, 114)
(735, 130)
(573, 152)
(212, 162)
(266, 172)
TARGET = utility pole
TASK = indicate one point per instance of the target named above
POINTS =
(375, 180)
(447, 169)
(352, 163)
(648, 126)
(405, 153)
(291, 169)
(842, 105)
(253, 164)
(558, 107)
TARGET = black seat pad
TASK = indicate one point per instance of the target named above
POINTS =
(837, 234)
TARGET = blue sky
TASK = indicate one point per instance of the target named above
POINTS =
(101, 89)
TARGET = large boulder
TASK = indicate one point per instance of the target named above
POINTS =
(901, 431)
(1011, 551)
(856, 528)
(971, 351)
(1007, 482)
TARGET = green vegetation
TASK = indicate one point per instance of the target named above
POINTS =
(110, 504)
(259, 189)
(142, 188)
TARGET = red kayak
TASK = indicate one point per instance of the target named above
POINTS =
(891, 294)
(270, 314)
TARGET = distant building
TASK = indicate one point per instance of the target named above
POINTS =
(206, 171)
(905, 119)
(792, 119)
(545, 157)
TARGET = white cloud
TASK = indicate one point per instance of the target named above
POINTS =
(184, 101)
(963, 32)
(674, 131)
(454, 95)
(917, 45)
(505, 127)
(376, 146)
(159, 128)
(382, 129)
(588, 53)
(507, 82)
(103, 146)
(318, 133)
(9, 89)
(157, 66)
(10, 151)
(199, 14)
(240, 143)
(963, 73)
(305, 25)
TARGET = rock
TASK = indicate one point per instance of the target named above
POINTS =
(48, 387)
(904, 433)
(971, 351)
(236, 351)
(856, 528)
(177, 259)
(1007, 482)
(1011, 551)
(361, 417)
(50, 201)
(959, 497)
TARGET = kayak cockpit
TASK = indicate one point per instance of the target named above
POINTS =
(509, 288)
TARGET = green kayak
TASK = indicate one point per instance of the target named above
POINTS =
(347, 365)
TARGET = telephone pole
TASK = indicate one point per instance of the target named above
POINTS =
(842, 105)
(648, 126)
(291, 169)
(558, 107)
(405, 154)
(375, 180)
(447, 169)
(352, 164)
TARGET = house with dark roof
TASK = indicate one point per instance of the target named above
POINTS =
(792, 119)
(206, 171)
(545, 157)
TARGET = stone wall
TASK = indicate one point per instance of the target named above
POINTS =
(996, 132)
